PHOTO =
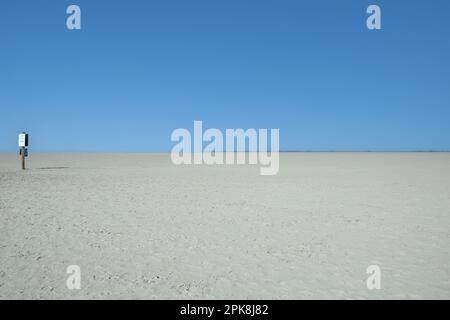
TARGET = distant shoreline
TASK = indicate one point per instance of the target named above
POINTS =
(282, 151)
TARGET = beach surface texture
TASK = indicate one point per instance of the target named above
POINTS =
(141, 227)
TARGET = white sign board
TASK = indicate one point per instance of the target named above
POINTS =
(23, 140)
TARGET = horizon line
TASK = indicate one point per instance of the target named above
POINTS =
(281, 151)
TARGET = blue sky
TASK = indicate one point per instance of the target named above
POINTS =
(139, 69)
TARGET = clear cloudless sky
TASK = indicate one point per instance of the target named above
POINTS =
(138, 69)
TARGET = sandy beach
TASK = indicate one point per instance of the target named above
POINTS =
(140, 227)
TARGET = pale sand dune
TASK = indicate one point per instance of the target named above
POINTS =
(140, 227)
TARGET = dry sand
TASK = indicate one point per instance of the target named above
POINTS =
(140, 227)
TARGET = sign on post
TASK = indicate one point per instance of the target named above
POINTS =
(23, 140)
(23, 143)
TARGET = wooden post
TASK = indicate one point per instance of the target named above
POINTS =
(22, 154)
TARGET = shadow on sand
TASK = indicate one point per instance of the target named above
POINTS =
(53, 168)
